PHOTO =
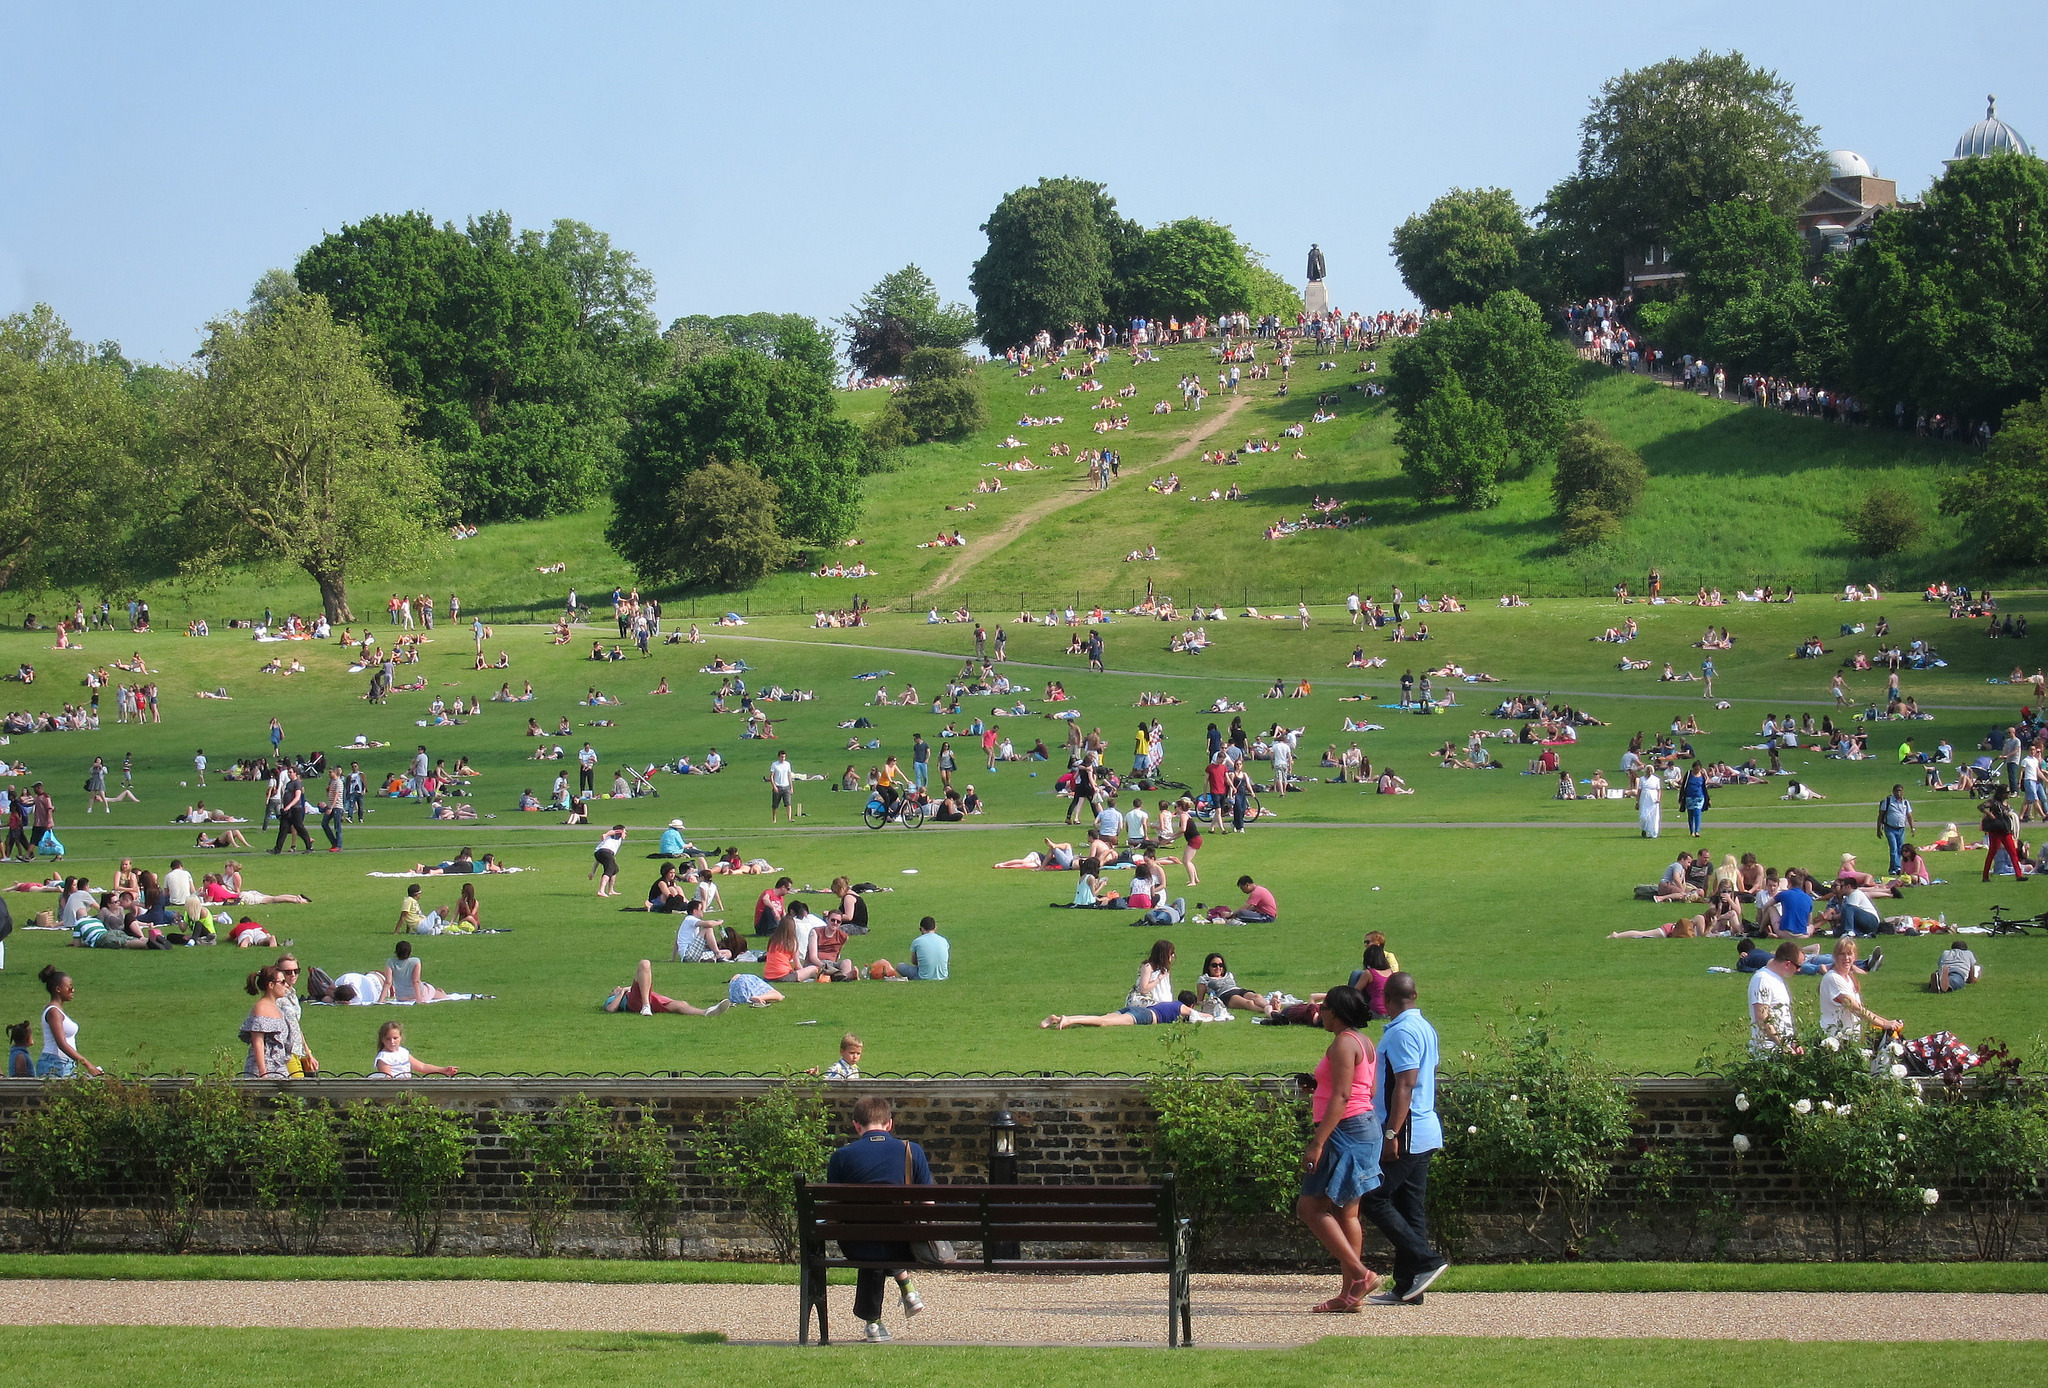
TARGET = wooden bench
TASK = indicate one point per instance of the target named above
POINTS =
(997, 1218)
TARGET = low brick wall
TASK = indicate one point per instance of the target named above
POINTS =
(1070, 1130)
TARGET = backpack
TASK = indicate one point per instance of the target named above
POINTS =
(319, 987)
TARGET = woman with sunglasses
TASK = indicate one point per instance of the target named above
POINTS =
(301, 1062)
(1218, 984)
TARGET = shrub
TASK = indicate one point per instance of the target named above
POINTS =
(640, 1153)
(1455, 446)
(726, 529)
(58, 1154)
(942, 400)
(294, 1160)
(553, 1155)
(420, 1150)
(1549, 1118)
(1588, 523)
(1887, 522)
(1234, 1148)
(1595, 470)
(176, 1148)
(759, 1149)
(1991, 1141)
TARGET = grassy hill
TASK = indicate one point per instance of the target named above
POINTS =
(1737, 496)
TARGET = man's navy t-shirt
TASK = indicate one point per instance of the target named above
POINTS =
(875, 1158)
(1795, 911)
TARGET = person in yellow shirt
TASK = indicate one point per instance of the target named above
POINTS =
(888, 784)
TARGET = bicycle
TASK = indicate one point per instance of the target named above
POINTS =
(909, 811)
(2001, 924)
(1205, 808)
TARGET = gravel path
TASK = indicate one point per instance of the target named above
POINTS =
(974, 1309)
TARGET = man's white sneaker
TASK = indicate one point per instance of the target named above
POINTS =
(912, 1302)
(876, 1332)
(718, 1007)
(645, 1010)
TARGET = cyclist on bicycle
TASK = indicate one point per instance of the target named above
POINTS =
(889, 785)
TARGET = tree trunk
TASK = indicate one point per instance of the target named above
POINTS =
(334, 597)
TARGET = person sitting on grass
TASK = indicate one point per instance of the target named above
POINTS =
(1220, 986)
(1957, 968)
(639, 997)
(395, 1062)
(413, 916)
(1259, 907)
(931, 957)
(403, 973)
(697, 939)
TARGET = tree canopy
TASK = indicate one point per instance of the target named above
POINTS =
(722, 528)
(773, 414)
(1947, 305)
(1665, 141)
(1055, 256)
(941, 399)
(1750, 301)
(1501, 356)
(900, 314)
(1466, 247)
(521, 352)
(72, 439)
(299, 452)
(2003, 496)
(1189, 267)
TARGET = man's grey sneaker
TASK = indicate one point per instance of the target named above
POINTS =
(1384, 1299)
(912, 1302)
(1876, 960)
(1422, 1281)
(876, 1332)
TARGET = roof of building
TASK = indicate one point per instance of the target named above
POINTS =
(1990, 136)
(1847, 163)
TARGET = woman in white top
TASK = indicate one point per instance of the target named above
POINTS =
(1649, 806)
(395, 1062)
(1155, 977)
(60, 1055)
(1842, 1012)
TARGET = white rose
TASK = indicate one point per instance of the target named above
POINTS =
(1740, 1142)
(1742, 1103)
(1865, 1052)
(1898, 1072)
(1827, 1105)
(1931, 1195)
(1898, 1048)
(1842, 1112)
(1803, 1106)
(1833, 1043)
(1474, 1131)
(1514, 1098)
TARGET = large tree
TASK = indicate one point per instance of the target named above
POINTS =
(1503, 358)
(512, 347)
(775, 415)
(899, 315)
(941, 399)
(1055, 255)
(1189, 267)
(1750, 301)
(299, 452)
(2002, 497)
(722, 529)
(72, 439)
(1947, 304)
(1464, 248)
(1663, 142)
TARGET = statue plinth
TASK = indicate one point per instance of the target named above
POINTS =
(1316, 298)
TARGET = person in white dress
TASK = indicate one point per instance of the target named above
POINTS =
(1650, 805)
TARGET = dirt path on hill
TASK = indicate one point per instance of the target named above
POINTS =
(1039, 510)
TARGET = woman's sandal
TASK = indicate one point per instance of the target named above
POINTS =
(1341, 1302)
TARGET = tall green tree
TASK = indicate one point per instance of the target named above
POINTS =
(775, 415)
(1454, 446)
(1189, 267)
(1750, 301)
(73, 436)
(1503, 357)
(2002, 498)
(300, 453)
(1056, 253)
(724, 530)
(941, 399)
(899, 315)
(1947, 305)
(1665, 141)
(516, 390)
(1463, 249)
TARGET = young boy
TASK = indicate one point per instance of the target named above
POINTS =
(847, 1067)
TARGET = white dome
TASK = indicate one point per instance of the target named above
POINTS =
(1990, 136)
(1847, 163)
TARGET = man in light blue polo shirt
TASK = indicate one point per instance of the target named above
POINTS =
(931, 957)
(1404, 1099)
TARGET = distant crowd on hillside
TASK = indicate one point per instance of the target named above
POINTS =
(1330, 332)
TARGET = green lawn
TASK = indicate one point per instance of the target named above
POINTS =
(1526, 1277)
(142, 1358)
(1488, 889)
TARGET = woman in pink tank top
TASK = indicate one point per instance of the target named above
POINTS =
(1342, 1161)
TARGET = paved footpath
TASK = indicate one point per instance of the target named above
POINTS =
(967, 1308)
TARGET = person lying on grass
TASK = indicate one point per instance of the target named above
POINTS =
(639, 997)
(395, 1062)
(1182, 1009)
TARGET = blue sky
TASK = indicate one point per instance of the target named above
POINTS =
(785, 156)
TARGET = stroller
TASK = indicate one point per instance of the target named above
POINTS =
(642, 782)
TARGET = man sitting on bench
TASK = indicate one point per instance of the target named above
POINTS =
(876, 1157)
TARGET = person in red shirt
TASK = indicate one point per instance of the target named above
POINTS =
(1219, 787)
(768, 908)
(1259, 907)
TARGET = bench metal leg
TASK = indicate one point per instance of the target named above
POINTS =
(1179, 1311)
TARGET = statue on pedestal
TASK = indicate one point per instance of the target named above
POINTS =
(1315, 263)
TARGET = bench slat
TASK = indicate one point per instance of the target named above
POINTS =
(1024, 1265)
(1003, 1233)
(1009, 1214)
(1019, 1195)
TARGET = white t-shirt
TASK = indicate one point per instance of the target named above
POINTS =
(2030, 767)
(1767, 988)
(369, 988)
(1135, 822)
(805, 928)
(1835, 1015)
(399, 1060)
(199, 763)
(779, 772)
(177, 886)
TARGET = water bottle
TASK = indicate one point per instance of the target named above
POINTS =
(1944, 922)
